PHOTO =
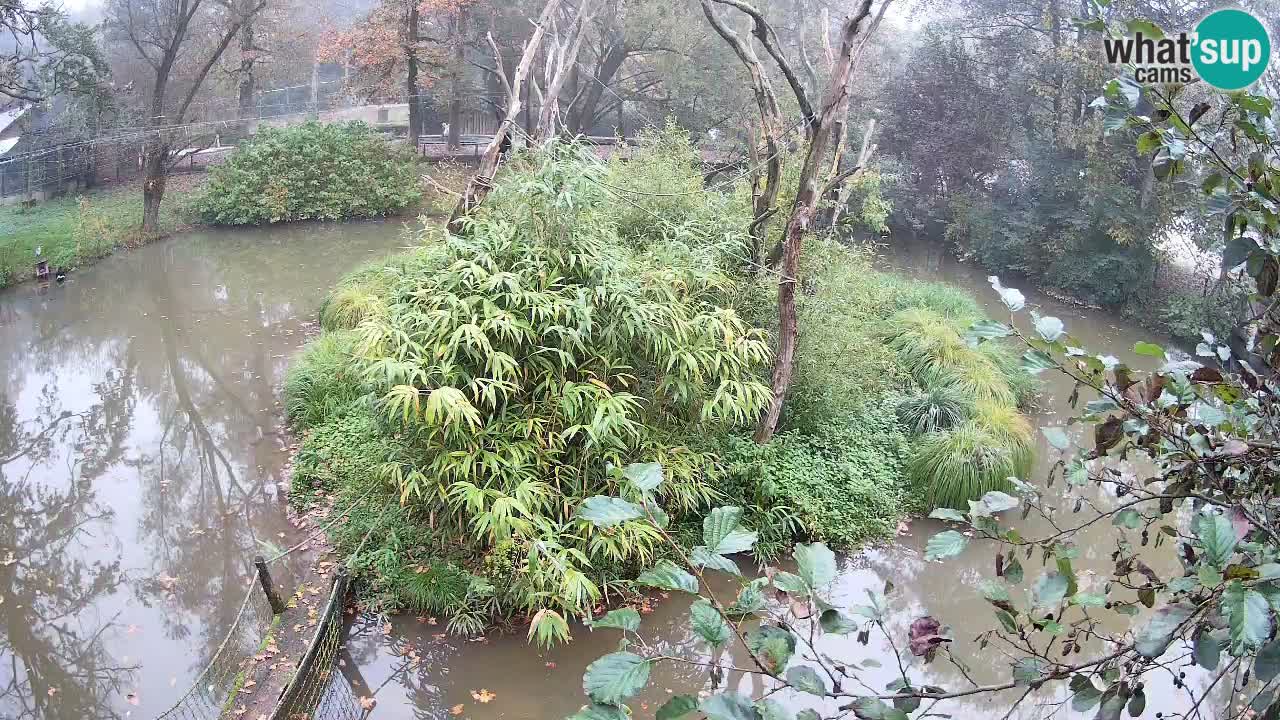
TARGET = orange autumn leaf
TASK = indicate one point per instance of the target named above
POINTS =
(456, 709)
(483, 695)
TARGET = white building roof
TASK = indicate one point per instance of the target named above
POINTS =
(7, 144)
(10, 116)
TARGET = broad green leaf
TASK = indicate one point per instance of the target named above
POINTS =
(997, 501)
(1138, 703)
(1037, 361)
(1217, 537)
(945, 544)
(677, 707)
(1086, 599)
(615, 677)
(1056, 436)
(817, 564)
(728, 706)
(790, 583)
(750, 599)
(708, 624)
(773, 646)
(669, 576)
(646, 477)
(1154, 637)
(721, 532)
(1148, 349)
(770, 709)
(806, 679)
(834, 621)
(623, 619)
(604, 511)
(876, 709)
(1146, 27)
(1084, 694)
(987, 330)
(994, 592)
(1050, 328)
(1249, 617)
(1029, 669)
(1048, 590)
(701, 557)
(1206, 650)
(1007, 621)
(1013, 572)
(947, 514)
(598, 711)
(1127, 518)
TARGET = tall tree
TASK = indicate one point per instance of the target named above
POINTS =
(180, 41)
(43, 54)
(819, 123)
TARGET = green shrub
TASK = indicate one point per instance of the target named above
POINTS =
(511, 365)
(1185, 315)
(321, 383)
(311, 171)
(843, 482)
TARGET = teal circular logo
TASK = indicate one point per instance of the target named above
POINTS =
(1231, 49)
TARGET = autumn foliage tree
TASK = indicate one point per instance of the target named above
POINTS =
(404, 44)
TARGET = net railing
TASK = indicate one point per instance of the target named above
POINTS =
(214, 690)
(317, 690)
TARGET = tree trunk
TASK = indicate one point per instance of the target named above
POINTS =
(248, 83)
(154, 176)
(411, 63)
(456, 89)
(818, 131)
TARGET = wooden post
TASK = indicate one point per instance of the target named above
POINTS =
(264, 577)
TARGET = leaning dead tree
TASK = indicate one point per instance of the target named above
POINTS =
(482, 182)
(561, 56)
(819, 123)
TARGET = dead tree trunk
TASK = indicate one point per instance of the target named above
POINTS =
(833, 208)
(818, 131)
(765, 199)
(562, 56)
(411, 64)
(482, 182)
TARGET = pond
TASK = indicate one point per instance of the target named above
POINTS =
(141, 455)
(141, 460)
(415, 670)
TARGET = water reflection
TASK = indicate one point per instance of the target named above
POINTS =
(142, 458)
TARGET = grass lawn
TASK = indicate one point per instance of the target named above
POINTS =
(76, 229)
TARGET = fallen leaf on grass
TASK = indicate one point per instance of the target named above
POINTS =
(456, 709)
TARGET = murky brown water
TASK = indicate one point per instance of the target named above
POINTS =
(140, 448)
(125, 526)
(450, 672)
